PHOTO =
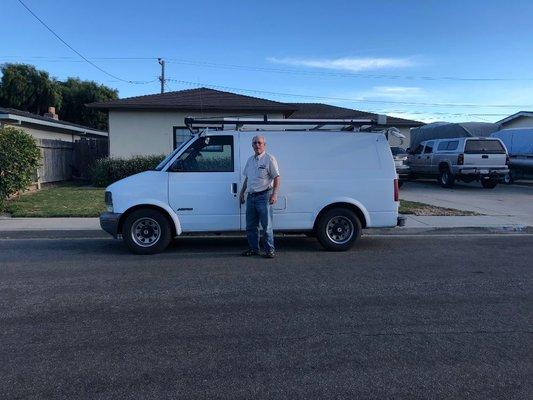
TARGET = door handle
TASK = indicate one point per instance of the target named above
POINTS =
(484, 156)
(234, 189)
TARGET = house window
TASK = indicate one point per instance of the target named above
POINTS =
(181, 135)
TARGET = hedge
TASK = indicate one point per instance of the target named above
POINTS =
(109, 170)
(19, 160)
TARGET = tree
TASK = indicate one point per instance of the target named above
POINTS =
(25, 88)
(19, 159)
(76, 93)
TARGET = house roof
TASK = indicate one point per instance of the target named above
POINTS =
(519, 114)
(12, 114)
(326, 111)
(196, 99)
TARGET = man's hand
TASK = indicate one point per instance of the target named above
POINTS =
(273, 198)
(241, 198)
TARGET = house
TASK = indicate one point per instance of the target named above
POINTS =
(522, 119)
(47, 126)
(57, 140)
(155, 124)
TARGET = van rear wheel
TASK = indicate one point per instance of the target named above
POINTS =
(338, 229)
(146, 231)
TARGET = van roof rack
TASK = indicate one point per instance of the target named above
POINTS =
(255, 124)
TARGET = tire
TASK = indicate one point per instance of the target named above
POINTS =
(146, 231)
(446, 178)
(343, 220)
(489, 183)
(508, 178)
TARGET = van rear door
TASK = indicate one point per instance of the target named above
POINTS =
(484, 153)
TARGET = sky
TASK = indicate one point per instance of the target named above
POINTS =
(422, 60)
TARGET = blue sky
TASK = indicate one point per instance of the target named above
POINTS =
(413, 59)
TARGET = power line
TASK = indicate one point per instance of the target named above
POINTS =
(199, 84)
(280, 70)
(76, 51)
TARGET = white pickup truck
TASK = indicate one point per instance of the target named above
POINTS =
(465, 158)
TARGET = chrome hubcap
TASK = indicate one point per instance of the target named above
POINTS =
(145, 232)
(339, 230)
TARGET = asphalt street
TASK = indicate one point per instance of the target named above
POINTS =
(414, 317)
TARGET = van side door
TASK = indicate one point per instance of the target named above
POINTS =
(203, 185)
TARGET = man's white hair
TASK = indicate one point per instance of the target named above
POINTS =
(259, 137)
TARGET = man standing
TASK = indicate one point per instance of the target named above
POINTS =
(261, 181)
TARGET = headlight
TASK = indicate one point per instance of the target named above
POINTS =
(109, 201)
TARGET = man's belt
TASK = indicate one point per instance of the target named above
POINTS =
(259, 193)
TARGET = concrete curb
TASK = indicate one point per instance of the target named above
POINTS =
(96, 234)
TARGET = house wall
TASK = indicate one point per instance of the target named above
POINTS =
(520, 122)
(46, 134)
(151, 132)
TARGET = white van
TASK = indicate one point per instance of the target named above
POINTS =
(333, 184)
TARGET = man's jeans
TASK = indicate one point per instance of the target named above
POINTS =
(259, 210)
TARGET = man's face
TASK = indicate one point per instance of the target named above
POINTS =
(258, 145)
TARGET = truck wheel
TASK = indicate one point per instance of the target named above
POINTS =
(338, 229)
(146, 231)
(446, 178)
(508, 178)
(489, 183)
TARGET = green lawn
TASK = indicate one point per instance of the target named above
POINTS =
(64, 200)
(74, 200)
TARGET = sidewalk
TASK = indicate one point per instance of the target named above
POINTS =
(413, 224)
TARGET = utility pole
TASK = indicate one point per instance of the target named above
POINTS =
(162, 77)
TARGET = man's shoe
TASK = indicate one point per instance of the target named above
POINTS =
(269, 254)
(249, 253)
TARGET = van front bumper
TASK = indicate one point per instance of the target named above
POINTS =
(109, 223)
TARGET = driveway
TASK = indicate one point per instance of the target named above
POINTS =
(512, 204)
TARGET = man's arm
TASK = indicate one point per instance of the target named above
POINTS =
(275, 190)
(243, 190)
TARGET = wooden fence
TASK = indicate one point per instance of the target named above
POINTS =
(62, 161)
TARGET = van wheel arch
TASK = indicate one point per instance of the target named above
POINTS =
(348, 206)
(125, 215)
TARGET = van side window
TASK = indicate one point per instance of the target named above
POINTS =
(419, 149)
(207, 154)
(442, 146)
(429, 148)
(452, 145)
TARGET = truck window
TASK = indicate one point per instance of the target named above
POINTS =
(419, 149)
(484, 146)
(429, 148)
(207, 154)
(442, 146)
(452, 145)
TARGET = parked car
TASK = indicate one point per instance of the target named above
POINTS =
(519, 145)
(465, 158)
(400, 162)
(333, 184)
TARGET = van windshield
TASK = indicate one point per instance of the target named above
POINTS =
(484, 146)
(162, 164)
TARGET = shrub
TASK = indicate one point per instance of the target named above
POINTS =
(109, 170)
(19, 159)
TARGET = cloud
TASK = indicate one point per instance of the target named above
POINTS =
(393, 93)
(346, 64)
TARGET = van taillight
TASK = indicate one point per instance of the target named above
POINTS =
(460, 159)
(396, 191)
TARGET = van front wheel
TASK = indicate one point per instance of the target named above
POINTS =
(146, 231)
(338, 229)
